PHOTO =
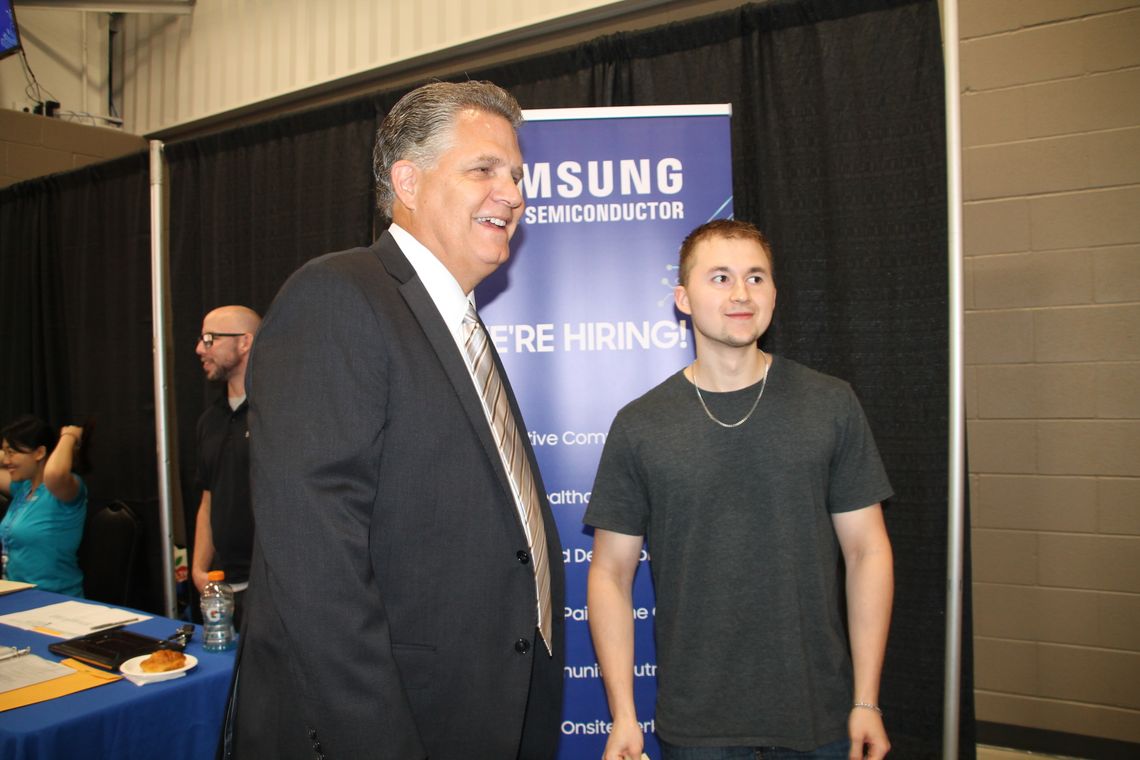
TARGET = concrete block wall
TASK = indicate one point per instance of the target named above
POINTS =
(1051, 173)
(33, 146)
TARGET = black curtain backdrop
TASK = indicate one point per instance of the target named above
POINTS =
(76, 314)
(246, 209)
(838, 154)
(74, 273)
(34, 368)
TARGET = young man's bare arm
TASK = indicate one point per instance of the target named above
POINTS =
(870, 592)
(610, 601)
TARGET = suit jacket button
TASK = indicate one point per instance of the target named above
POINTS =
(523, 557)
(522, 646)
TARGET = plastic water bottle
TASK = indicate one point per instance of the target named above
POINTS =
(217, 613)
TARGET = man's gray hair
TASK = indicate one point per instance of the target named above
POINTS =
(418, 128)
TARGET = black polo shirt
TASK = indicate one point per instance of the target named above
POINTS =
(223, 470)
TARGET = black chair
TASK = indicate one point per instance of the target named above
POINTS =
(109, 552)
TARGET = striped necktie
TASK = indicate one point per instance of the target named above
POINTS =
(513, 454)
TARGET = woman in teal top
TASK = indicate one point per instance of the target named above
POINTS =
(44, 523)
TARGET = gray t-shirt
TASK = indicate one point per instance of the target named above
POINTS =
(751, 641)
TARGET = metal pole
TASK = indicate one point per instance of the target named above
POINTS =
(956, 459)
(159, 290)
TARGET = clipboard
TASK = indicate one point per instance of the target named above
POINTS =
(111, 648)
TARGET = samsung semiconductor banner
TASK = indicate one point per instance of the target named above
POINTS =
(583, 318)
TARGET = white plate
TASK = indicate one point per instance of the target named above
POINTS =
(132, 667)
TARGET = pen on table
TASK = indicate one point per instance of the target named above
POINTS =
(14, 653)
(112, 625)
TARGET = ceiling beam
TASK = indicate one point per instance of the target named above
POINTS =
(179, 7)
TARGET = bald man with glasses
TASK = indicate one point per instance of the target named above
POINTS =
(223, 532)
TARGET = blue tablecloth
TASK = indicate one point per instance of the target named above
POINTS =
(178, 719)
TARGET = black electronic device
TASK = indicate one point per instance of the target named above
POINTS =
(111, 648)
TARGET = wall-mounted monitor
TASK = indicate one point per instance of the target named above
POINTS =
(9, 32)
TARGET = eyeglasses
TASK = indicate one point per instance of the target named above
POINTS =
(7, 451)
(208, 338)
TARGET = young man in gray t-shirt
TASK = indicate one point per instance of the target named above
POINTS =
(749, 476)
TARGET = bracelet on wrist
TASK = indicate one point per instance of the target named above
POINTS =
(867, 706)
(78, 443)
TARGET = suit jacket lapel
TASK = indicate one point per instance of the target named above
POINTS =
(439, 337)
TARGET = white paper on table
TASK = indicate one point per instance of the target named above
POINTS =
(27, 669)
(71, 619)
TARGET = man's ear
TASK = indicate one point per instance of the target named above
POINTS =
(405, 182)
(681, 298)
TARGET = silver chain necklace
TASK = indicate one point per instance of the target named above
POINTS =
(742, 420)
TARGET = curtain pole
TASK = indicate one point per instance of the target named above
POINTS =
(955, 528)
(160, 327)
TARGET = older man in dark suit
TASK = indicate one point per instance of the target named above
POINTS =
(407, 584)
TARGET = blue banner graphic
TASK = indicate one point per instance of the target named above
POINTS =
(584, 321)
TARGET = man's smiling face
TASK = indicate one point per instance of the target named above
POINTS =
(466, 206)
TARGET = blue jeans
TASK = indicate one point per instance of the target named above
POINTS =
(835, 751)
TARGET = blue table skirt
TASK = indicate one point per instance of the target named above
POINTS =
(178, 719)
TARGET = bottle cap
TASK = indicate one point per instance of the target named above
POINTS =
(216, 575)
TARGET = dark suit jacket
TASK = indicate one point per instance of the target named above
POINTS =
(390, 613)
